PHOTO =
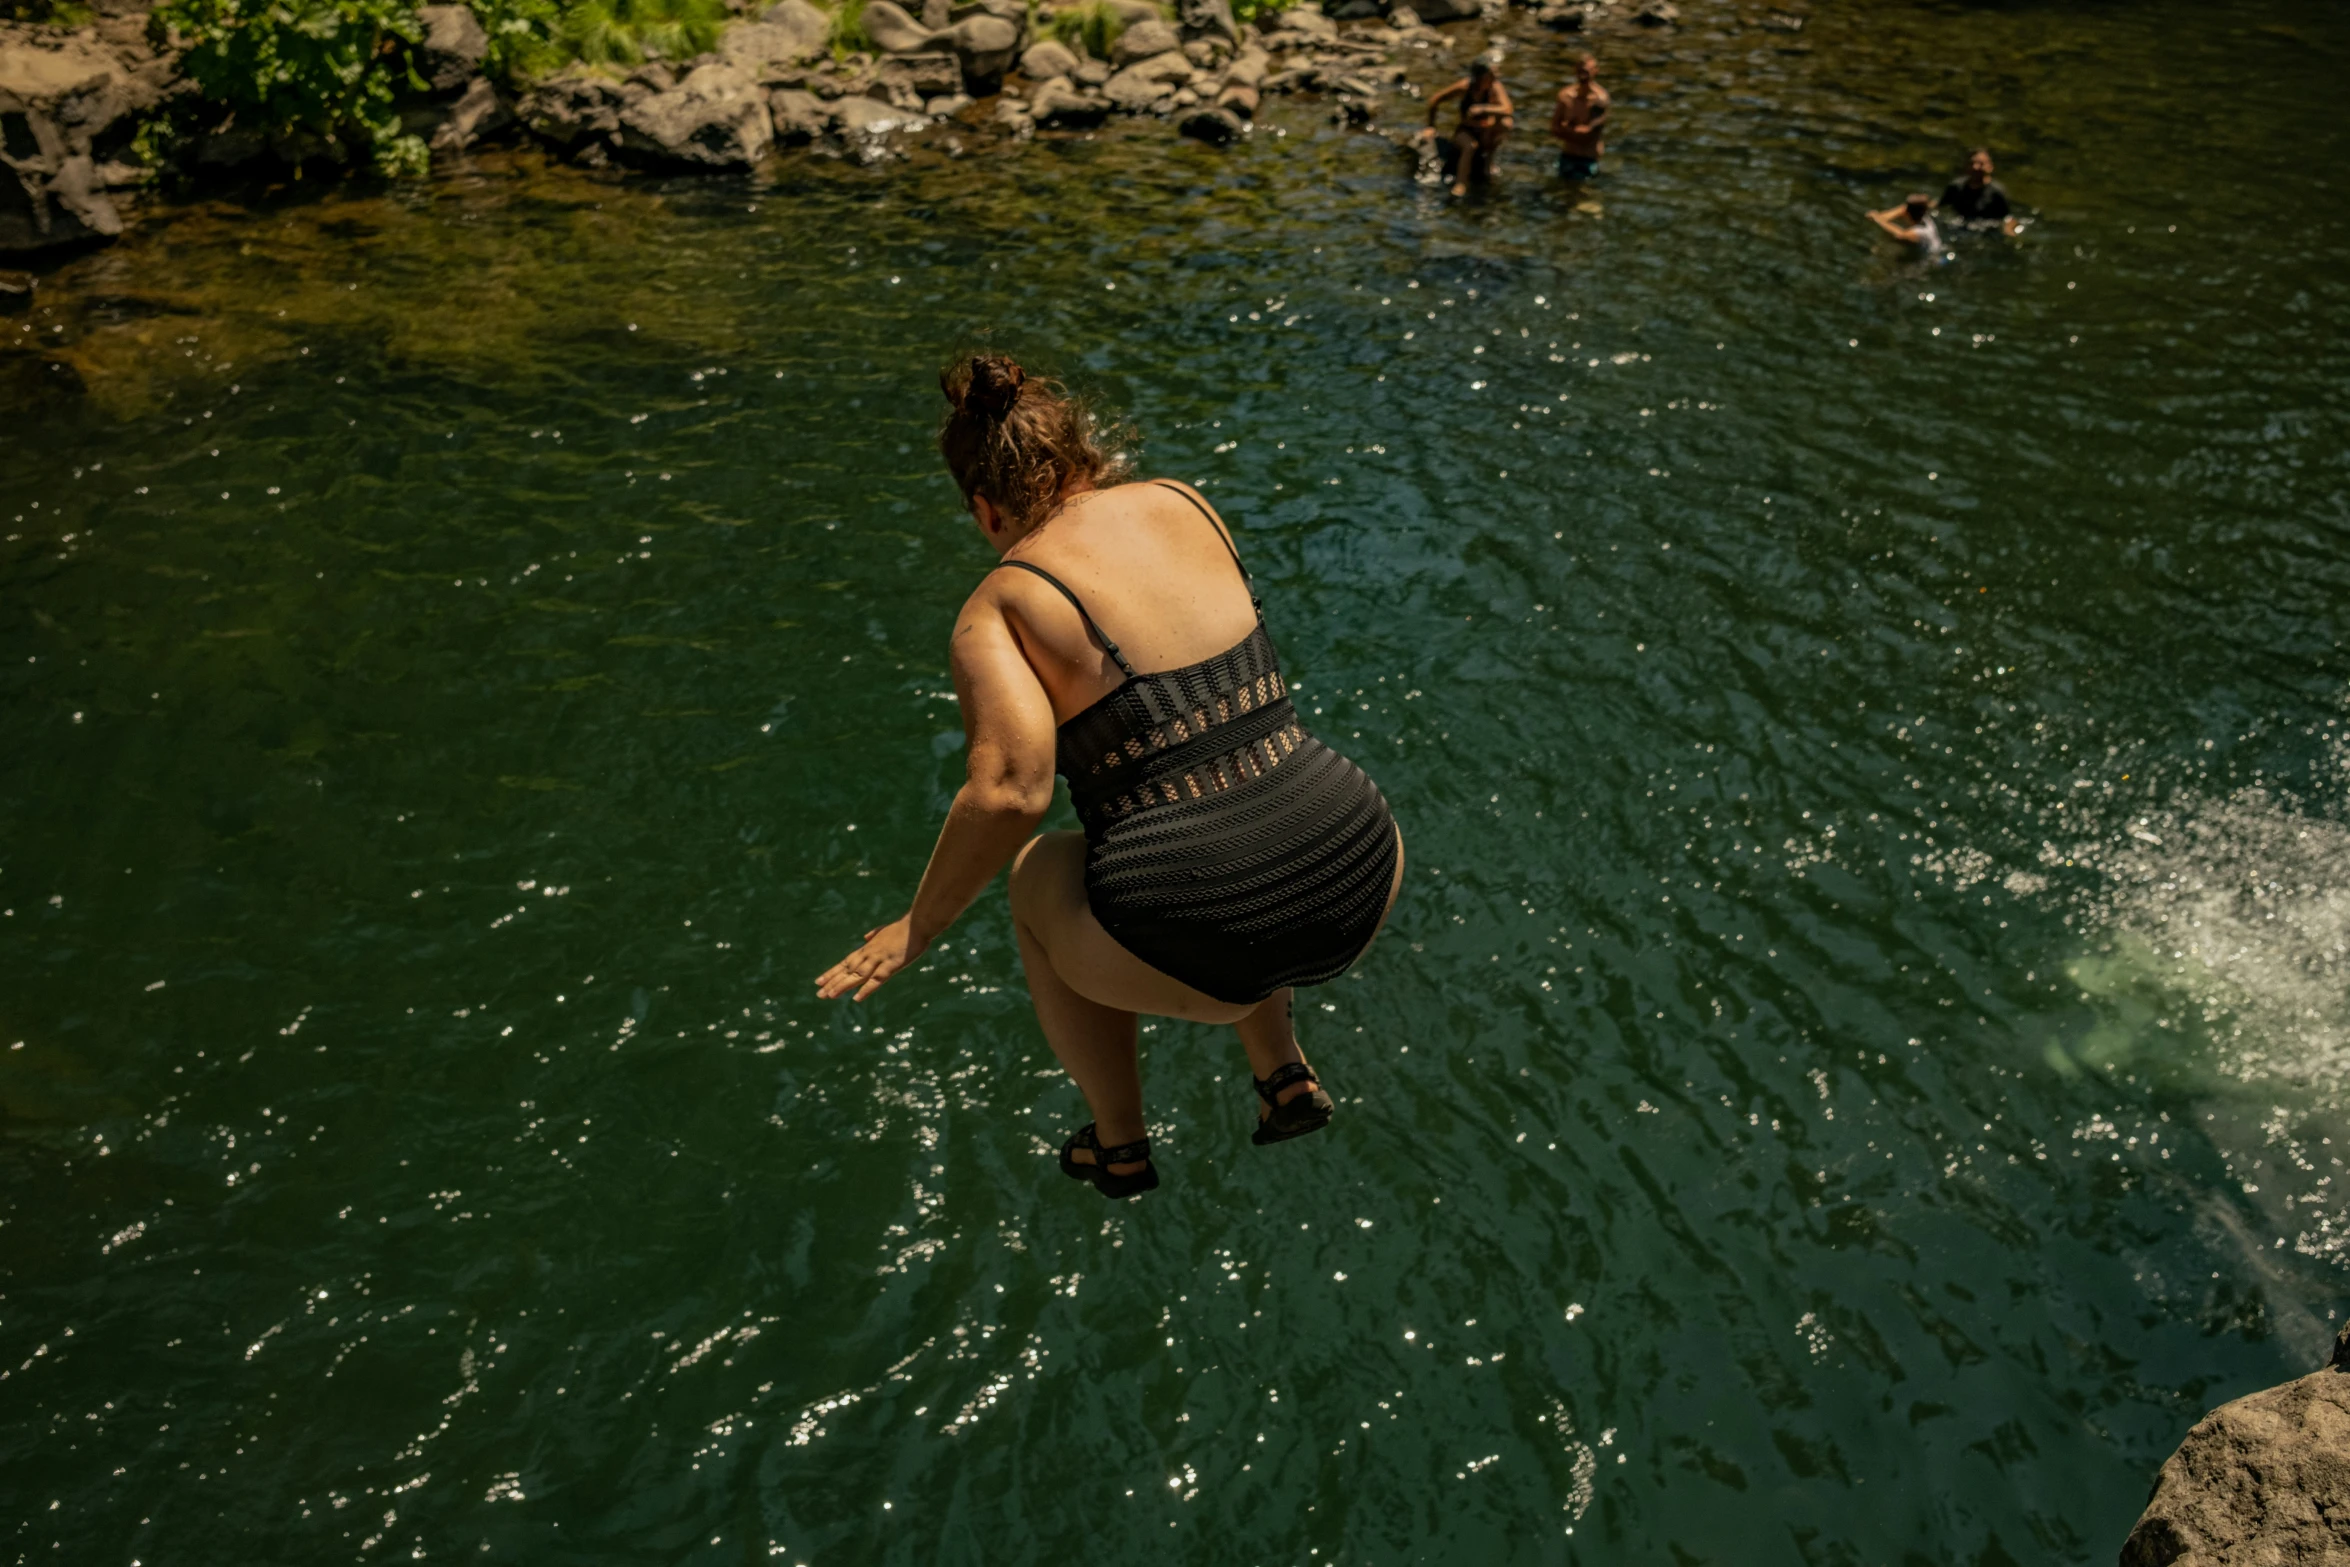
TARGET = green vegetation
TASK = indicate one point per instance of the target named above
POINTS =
(56, 13)
(846, 34)
(628, 32)
(1259, 10)
(1088, 28)
(323, 69)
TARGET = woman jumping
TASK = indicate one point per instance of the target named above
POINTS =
(1227, 854)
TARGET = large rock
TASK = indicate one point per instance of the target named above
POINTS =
(871, 119)
(1143, 40)
(1208, 19)
(1046, 60)
(1217, 127)
(715, 119)
(1057, 102)
(1307, 22)
(66, 101)
(907, 80)
(800, 117)
(786, 35)
(454, 46)
(893, 31)
(573, 110)
(987, 46)
(452, 125)
(1141, 85)
(1248, 68)
(2264, 1480)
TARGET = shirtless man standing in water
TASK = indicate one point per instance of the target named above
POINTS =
(1486, 117)
(1579, 120)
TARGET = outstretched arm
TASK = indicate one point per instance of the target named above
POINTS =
(1884, 220)
(1442, 93)
(1007, 788)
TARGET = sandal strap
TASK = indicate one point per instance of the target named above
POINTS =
(1124, 1153)
(1269, 1088)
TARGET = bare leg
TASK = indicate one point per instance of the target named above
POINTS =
(1087, 989)
(1269, 1035)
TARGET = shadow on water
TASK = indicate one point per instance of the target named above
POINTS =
(1857, 1069)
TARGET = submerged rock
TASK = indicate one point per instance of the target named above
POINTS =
(1217, 127)
(715, 119)
(2265, 1479)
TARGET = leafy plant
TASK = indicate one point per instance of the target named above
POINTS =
(57, 13)
(844, 33)
(628, 32)
(522, 37)
(327, 68)
(1259, 10)
(1089, 28)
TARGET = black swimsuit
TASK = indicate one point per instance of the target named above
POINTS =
(1225, 846)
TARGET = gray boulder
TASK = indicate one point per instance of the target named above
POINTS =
(2264, 1480)
(1057, 102)
(454, 46)
(456, 124)
(1216, 127)
(931, 74)
(572, 110)
(893, 31)
(1046, 60)
(799, 117)
(789, 34)
(1208, 19)
(1142, 40)
(715, 119)
(66, 101)
(986, 45)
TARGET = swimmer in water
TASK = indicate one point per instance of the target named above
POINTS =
(1912, 223)
(1486, 118)
(1578, 121)
(1978, 198)
(1227, 855)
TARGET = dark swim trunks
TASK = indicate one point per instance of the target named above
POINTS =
(1573, 167)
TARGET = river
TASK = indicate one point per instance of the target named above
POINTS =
(1861, 1062)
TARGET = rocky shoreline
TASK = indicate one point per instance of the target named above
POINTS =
(73, 100)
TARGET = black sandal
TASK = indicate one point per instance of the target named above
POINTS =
(1106, 1180)
(1307, 1112)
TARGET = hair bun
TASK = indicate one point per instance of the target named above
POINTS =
(994, 386)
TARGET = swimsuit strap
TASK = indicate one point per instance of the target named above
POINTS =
(1078, 604)
(1247, 581)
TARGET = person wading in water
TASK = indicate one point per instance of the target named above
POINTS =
(1227, 855)
(1486, 117)
(1578, 121)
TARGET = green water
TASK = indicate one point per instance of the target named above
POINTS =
(1861, 1061)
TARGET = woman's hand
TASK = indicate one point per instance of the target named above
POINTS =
(886, 950)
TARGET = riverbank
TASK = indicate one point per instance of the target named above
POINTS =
(84, 104)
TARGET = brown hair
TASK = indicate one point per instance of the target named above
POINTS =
(1018, 440)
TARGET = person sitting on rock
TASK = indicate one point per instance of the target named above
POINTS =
(1912, 223)
(1579, 120)
(1978, 198)
(1486, 118)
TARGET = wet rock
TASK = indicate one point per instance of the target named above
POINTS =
(65, 101)
(715, 119)
(1046, 60)
(1208, 19)
(947, 107)
(1657, 13)
(2265, 1479)
(453, 48)
(1240, 100)
(1058, 102)
(1013, 116)
(456, 124)
(1563, 18)
(799, 117)
(1144, 40)
(870, 119)
(1216, 127)
(571, 110)
(893, 31)
(927, 75)
(985, 45)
